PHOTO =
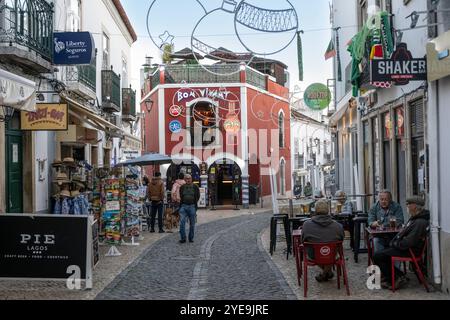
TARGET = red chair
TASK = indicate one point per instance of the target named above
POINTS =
(298, 249)
(325, 254)
(416, 261)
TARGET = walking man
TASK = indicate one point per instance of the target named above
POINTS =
(155, 193)
(189, 196)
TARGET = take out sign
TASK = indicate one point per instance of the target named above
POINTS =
(400, 69)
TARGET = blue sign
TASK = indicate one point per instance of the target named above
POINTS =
(73, 48)
(175, 126)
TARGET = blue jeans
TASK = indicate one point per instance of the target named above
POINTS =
(187, 212)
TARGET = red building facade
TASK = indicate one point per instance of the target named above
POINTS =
(227, 131)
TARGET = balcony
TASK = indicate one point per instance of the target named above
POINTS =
(128, 105)
(110, 91)
(82, 80)
(26, 34)
(202, 74)
(256, 78)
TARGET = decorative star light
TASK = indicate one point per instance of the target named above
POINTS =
(166, 38)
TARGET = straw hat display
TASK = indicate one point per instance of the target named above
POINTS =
(69, 162)
(65, 193)
(75, 193)
(61, 178)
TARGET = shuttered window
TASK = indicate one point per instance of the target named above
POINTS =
(417, 118)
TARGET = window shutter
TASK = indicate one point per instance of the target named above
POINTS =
(417, 118)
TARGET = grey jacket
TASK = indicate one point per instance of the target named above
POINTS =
(322, 229)
(376, 214)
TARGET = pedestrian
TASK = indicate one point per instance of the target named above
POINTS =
(155, 193)
(175, 194)
(322, 229)
(412, 237)
(381, 214)
(189, 197)
(308, 190)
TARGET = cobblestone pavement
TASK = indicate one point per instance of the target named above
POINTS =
(227, 261)
(357, 280)
(107, 269)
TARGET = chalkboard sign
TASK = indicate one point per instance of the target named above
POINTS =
(45, 246)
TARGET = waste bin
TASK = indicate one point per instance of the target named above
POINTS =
(254, 194)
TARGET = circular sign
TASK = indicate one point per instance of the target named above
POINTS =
(232, 125)
(325, 251)
(175, 126)
(175, 111)
(317, 97)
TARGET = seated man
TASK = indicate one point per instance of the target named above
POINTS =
(412, 237)
(322, 229)
(380, 215)
(346, 207)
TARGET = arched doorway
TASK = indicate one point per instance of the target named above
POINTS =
(225, 183)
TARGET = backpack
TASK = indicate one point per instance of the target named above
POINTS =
(188, 194)
(176, 192)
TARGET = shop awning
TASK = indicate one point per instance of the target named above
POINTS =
(17, 92)
(98, 120)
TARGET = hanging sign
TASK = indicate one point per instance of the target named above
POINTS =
(73, 48)
(400, 69)
(48, 117)
(175, 126)
(317, 97)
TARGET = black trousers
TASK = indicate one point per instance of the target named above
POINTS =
(383, 260)
(156, 208)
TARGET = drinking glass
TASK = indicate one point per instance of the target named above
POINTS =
(393, 223)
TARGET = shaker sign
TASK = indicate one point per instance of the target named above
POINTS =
(400, 69)
(73, 48)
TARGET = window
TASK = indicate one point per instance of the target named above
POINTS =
(106, 52)
(74, 16)
(301, 161)
(124, 72)
(283, 177)
(418, 146)
(376, 155)
(384, 5)
(203, 124)
(281, 128)
(362, 13)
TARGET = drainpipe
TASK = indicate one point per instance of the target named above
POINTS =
(435, 214)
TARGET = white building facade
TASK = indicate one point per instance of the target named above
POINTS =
(388, 135)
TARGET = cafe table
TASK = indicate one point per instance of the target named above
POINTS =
(372, 233)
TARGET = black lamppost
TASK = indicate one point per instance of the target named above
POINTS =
(7, 113)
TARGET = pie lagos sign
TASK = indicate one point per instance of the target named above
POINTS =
(400, 69)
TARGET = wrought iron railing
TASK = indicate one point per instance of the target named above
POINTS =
(28, 23)
(87, 75)
(202, 74)
(256, 78)
(111, 88)
(155, 79)
(128, 102)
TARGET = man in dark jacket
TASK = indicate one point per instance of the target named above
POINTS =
(381, 213)
(412, 237)
(189, 195)
(322, 229)
(155, 193)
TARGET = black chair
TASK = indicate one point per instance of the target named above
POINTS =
(360, 223)
(274, 222)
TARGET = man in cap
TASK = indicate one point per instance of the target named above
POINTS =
(412, 237)
(322, 229)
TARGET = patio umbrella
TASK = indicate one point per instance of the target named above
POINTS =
(147, 160)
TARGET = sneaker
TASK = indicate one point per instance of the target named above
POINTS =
(152, 231)
(162, 231)
(182, 241)
(401, 282)
(191, 241)
(330, 276)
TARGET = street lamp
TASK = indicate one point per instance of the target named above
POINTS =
(7, 113)
(149, 105)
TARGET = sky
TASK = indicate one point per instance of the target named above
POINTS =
(215, 27)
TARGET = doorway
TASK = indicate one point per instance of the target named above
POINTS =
(14, 166)
(225, 183)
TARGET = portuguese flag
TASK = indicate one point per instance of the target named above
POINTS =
(331, 51)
